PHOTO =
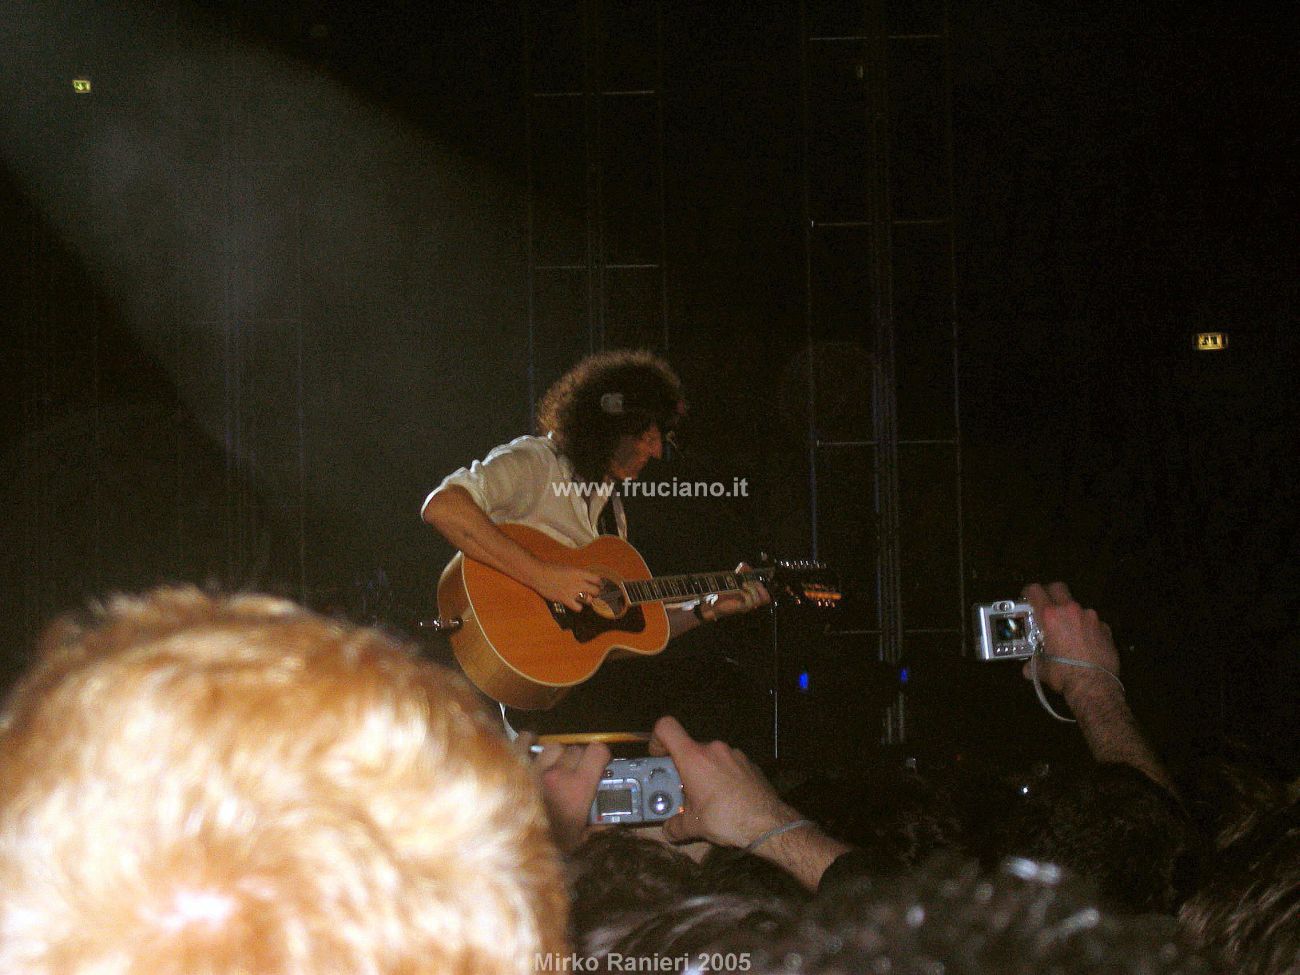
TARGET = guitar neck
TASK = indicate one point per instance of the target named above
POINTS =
(676, 588)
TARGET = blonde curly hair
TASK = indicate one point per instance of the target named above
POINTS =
(205, 784)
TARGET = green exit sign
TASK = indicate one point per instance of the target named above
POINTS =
(1211, 341)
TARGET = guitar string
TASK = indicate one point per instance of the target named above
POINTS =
(658, 588)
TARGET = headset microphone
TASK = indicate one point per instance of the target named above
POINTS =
(675, 449)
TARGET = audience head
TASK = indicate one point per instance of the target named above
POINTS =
(206, 784)
(710, 932)
(1027, 918)
(1227, 797)
(616, 871)
(896, 818)
(1113, 826)
(1247, 909)
(724, 870)
(635, 897)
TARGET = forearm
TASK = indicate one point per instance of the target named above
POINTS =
(1110, 730)
(718, 607)
(464, 524)
(681, 620)
(804, 852)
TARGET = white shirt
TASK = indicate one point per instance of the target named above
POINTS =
(528, 481)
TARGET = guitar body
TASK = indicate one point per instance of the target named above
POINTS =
(525, 652)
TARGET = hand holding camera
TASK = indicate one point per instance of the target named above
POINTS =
(569, 777)
(1072, 632)
(1051, 624)
(1006, 630)
(1075, 656)
(634, 791)
(1064, 645)
(728, 800)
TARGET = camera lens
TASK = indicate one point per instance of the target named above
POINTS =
(1008, 628)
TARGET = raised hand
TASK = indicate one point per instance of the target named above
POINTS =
(1070, 631)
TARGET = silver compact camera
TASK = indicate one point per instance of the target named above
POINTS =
(1006, 630)
(637, 790)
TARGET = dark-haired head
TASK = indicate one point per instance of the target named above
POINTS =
(1114, 826)
(1247, 909)
(606, 397)
(1023, 919)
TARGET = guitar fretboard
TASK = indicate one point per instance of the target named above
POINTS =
(687, 586)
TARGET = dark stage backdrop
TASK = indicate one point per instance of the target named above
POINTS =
(274, 276)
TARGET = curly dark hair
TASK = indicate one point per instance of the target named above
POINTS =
(1248, 907)
(1228, 797)
(1115, 826)
(895, 818)
(588, 430)
(701, 929)
(617, 872)
(947, 916)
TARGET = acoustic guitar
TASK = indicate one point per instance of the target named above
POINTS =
(527, 652)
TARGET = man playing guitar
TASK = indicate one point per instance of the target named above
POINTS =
(600, 424)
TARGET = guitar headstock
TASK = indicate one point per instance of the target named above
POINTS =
(806, 583)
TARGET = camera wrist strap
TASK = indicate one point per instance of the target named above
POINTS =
(776, 831)
(1069, 662)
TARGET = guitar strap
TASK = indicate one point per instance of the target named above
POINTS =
(607, 520)
(511, 734)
